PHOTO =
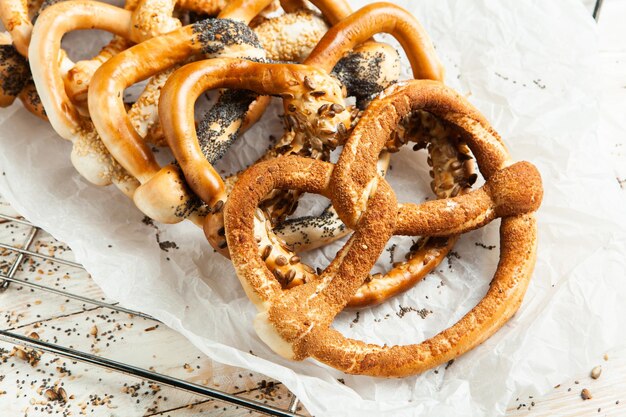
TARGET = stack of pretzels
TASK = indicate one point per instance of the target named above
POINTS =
(340, 90)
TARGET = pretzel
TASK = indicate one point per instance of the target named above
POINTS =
(296, 323)
(15, 79)
(17, 16)
(151, 57)
(89, 155)
(149, 18)
(308, 114)
(163, 195)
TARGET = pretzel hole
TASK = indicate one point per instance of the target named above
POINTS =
(445, 295)
(85, 44)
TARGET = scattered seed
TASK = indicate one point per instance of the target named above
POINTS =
(290, 275)
(585, 394)
(218, 206)
(51, 395)
(596, 372)
(62, 394)
(281, 260)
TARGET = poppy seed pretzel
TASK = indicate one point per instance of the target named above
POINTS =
(15, 78)
(89, 155)
(159, 57)
(296, 323)
(14, 71)
(289, 36)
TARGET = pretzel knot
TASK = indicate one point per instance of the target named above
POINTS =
(296, 323)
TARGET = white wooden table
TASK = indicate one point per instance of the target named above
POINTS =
(30, 385)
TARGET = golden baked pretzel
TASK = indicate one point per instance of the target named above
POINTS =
(17, 15)
(89, 155)
(296, 323)
(228, 35)
(317, 118)
(15, 79)
(221, 36)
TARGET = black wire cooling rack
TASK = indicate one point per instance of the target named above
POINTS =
(23, 253)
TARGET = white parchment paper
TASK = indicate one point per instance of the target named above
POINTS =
(530, 67)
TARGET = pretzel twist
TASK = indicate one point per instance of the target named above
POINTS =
(296, 323)
(18, 15)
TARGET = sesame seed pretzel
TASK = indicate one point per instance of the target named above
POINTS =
(317, 121)
(53, 81)
(89, 155)
(296, 323)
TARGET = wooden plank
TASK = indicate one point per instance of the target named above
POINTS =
(134, 340)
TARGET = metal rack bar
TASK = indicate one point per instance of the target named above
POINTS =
(596, 9)
(41, 255)
(143, 374)
(20, 257)
(111, 306)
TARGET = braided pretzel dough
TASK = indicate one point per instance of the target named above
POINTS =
(296, 323)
